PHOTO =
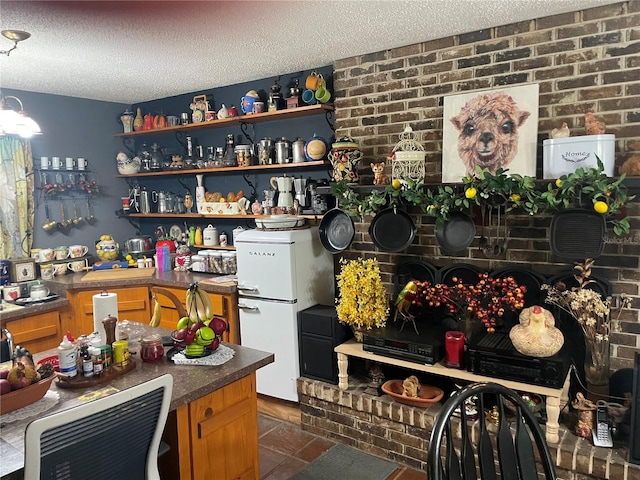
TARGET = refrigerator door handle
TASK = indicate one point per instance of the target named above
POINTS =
(246, 289)
(246, 307)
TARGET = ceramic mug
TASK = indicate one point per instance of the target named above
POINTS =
(309, 97)
(46, 271)
(70, 163)
(46, 254)
(82, 163)
(44, 162)
(323, 95)
(76, 266)
(62, 253)
(11, 293)
(77, 251)
(312, 81)
(35, 254)
(56, 163)
(59, 269)
(258, 107)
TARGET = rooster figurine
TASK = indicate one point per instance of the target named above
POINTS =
(562, 132)
(592, 125)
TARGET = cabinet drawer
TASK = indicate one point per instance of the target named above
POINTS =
(36, 333)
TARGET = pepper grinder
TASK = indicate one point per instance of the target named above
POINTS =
(110, 329)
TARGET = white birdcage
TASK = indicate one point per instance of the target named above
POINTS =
(408, 158)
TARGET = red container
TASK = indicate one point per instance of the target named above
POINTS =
(454, 349)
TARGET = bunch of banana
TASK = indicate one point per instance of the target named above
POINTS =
(199, 305)
(157, 313)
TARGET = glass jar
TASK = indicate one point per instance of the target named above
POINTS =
(229, 159)
(215, 262)
(151, 349)
(229, 263)
(197, 263)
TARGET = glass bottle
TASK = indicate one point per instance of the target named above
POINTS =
(229, 152)
(189, 160)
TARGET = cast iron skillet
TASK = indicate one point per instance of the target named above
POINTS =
(456, 234)
(392, 230)
(577, 234)
(336, 230)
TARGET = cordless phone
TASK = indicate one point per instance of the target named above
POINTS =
(601, 434)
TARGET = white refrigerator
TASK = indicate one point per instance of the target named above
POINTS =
(279, 274)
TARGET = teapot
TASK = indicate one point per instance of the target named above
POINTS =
(107, 248)
(283, 185)
(223, 112)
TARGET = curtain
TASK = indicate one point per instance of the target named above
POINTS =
(16, 197)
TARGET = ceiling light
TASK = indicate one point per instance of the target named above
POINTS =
(16, 123)
(15, 36)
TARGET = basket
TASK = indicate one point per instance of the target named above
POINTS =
(408, 158)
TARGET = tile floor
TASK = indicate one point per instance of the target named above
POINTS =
(286, 449)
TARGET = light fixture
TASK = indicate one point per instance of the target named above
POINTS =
(16, 123)
(15, 36)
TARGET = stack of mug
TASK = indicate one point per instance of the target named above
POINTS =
(57, 163)
(51, 260)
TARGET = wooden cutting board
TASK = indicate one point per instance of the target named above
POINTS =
(118, 274)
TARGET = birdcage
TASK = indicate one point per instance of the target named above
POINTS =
(408, 158)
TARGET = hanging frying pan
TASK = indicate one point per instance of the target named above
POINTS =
(336, 230)
(392, 230)
(456, 234)
(576, 234)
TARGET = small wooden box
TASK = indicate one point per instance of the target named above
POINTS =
(23, 270)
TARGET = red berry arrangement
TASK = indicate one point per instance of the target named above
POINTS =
(487, 300)
(88, 187)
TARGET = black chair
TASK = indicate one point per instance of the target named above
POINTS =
(515, 450)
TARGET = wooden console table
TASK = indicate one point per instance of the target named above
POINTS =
(554, 397)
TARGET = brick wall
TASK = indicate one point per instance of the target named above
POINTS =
(581, 60)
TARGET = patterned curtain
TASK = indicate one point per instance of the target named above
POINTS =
(16, 197)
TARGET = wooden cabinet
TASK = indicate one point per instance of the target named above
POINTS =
(224, 305)
(38, 332)
(133, 305)
(218, 434)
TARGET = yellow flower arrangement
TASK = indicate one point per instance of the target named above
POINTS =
(362, 301)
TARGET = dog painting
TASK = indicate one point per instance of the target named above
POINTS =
(490, 129)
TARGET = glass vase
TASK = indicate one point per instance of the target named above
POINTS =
(596, 361)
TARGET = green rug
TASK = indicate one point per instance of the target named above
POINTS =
(341, 461)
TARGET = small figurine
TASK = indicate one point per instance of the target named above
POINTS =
(411, 386)
(536, 335)
(585, 409)
(256, 208)
(592, 125)
(631, 166)
(376, 374)
(562, 132)
(378, 171)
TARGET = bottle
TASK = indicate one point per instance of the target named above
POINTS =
(189, 160)
(87, 361)
(98, 363)
(67, 356)
(200, 193)
(198, 236)
(230, 159)
(138, 122)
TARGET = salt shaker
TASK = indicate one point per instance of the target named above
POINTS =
(223, 239)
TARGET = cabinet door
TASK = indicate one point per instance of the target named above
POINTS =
(36, 333)
(133, 305)
(317, 358)
(223, 305)
(224, 433)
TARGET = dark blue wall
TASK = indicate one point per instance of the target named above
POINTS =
(76, 127)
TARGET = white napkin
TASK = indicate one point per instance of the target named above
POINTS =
(222, 355)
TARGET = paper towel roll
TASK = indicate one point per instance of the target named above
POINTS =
(104, 304)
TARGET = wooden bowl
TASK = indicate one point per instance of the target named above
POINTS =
(24, 396)
(428, 395)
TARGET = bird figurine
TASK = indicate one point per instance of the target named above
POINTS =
(592, 125)
(631, 166)
(562, 132)
(403, 303)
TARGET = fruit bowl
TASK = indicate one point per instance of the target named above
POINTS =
(24, 396)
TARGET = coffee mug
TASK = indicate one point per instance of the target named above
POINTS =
(44, 162)
(172, 120)
(70, 163)
(46, 271)
(39, 291)
(11, 293)
(35, 254)
(258, 107)
(56, 163)
(309, 97)
(46, 254)
(77, 251)
(59, 268)
(312, 81)
(184, 118)
(76, 266)
(62, 253)
(323, 95)
(82, 163)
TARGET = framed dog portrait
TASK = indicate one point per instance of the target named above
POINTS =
(492, 129)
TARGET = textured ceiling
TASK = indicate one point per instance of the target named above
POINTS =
(129, 52)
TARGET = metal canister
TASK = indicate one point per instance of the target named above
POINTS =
(283, 149)
(105, 354)
(121, 353)
(297, 149)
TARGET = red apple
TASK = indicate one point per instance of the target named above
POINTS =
(5, 386)
(218, 325)
(4, 373)
(214, 345)
(191, 336)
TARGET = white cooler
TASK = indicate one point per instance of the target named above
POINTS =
(562, 156)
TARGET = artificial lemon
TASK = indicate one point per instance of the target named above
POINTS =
(470, 193)
(514, 197)
(601, 207)
(396, 184)
(558, 183)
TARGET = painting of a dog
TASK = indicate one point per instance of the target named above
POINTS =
(492, 130)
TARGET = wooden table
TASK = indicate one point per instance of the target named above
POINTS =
(213, 409)
(554, 397)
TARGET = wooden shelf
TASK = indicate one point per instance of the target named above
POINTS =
(214, 247)
(202, 215)
(233, 121)
(195, 171)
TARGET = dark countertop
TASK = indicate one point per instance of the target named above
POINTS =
(73, 281)
(189, 383)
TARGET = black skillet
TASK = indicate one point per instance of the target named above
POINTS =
(392, 230)
(336, 230)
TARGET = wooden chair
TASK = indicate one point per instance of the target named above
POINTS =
(515, 450)
(117, 436)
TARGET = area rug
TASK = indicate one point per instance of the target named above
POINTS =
(342, 461)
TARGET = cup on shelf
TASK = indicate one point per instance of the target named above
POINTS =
(323, 95)
(46, 271)
(309, 97)
(76, 265)
(46, 254)
(56, 163)
(82, 163)
(172, 120)
(70, 163)
(44, 162)
(61, 253)
(59, 269)
(77, 251)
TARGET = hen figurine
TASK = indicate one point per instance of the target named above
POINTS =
(592, 125)
(631, 166)
(562, 132)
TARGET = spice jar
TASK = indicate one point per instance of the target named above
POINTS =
(151, 349)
